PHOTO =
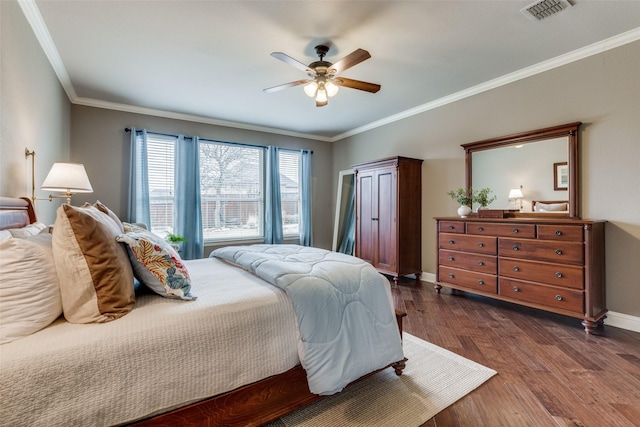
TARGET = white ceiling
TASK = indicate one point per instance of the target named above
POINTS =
(210, 60)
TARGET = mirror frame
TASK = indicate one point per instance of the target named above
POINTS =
(569, 130)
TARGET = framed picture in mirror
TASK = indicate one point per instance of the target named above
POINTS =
(560, 176)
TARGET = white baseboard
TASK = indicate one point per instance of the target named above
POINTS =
(618, 320)
(428, 277)
(623, 321)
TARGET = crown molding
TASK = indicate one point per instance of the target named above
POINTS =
(90, 102)
(576, 55)
(32, 13)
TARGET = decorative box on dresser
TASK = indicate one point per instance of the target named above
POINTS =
(389, 215)
(557, 265)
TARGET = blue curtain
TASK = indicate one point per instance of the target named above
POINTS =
(187, 209)
(306, 229)
(273, 232)
(347, 238)
(138, 210)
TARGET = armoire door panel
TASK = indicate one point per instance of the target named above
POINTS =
(365, 245)
(386, 249)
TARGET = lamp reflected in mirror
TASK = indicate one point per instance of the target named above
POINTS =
(516, 195)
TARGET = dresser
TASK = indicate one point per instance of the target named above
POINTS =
(389, 215)
(557, 265)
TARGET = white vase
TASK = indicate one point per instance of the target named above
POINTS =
(463, 211)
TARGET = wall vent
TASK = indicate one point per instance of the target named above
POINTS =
(543, 9)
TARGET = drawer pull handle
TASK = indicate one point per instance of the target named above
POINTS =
(451, 227)
(480, 263)
(450, 258)
(480, 229)
(515, 230)
(480, 245)
(516, 289)
(558, 233)
(516, 268)
(480, 282)
(558, 252)
(559, 297)
(515, 248)
(451, 242)
(450, 275)
(559, 275)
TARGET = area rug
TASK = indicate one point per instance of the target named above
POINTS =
(433, 379)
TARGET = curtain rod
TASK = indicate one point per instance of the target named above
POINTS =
(224, 142)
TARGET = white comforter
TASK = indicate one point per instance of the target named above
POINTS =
(162, 355)
(346, 321)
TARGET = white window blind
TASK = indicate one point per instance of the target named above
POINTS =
(289, 162)
(160, 153)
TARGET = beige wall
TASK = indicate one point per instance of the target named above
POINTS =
(100, 142)
(34, 111)
(602, 91)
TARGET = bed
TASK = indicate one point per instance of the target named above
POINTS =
(168, 361)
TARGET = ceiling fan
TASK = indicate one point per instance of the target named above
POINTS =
(323, 81)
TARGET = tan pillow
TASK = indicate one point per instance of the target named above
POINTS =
(96, 279)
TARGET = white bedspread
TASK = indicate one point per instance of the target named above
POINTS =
(162, 355)
(344, 310)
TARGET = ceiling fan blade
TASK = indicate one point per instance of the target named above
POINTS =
(286, 85)
(354, 58)
(357, 84)
(289, 60)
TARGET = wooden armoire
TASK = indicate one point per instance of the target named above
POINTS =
(389, 215)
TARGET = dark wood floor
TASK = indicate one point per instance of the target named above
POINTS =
(550, 373)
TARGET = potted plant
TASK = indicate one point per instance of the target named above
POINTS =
(464, 199)
(175, 240)
(483, 197)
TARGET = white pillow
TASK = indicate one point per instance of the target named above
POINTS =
(29, 291)
(551, 207)
(29, 230)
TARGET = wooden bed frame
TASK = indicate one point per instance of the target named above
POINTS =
(249, 405)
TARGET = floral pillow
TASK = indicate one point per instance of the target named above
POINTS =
(157, 265)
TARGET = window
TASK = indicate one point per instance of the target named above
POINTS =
(231, 187)
(160, 154)
(232, 191)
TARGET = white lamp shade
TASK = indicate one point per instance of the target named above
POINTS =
(515, 193)
(67, 177)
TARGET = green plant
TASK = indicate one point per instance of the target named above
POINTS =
(462, 196)
(175, 238)
(482, 197)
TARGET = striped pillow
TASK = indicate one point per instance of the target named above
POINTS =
(96, 279)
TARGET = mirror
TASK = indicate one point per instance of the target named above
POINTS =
(542, 163)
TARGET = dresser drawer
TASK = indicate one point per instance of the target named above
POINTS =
(568, 233)
(524, 231)
(551, 296)
(469, 261)
(568, 276)
(468, 279)
(541, 250)
(451, 226)
(464, 242)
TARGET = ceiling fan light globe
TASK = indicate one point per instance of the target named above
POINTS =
(321, 96)
(311, 89)
(332, 89)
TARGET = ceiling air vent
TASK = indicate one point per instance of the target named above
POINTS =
(543, 9)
